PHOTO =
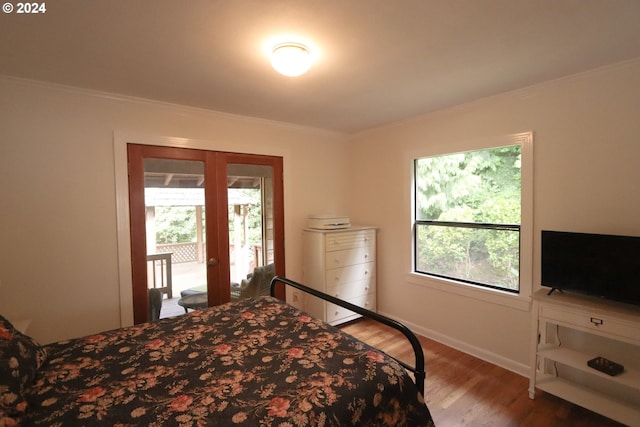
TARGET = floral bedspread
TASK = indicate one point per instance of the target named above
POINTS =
(257, 362)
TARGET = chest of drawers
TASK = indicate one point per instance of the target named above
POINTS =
(341, 263)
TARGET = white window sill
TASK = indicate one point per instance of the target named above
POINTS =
(516, 301)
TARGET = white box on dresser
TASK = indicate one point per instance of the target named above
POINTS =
(341, 263)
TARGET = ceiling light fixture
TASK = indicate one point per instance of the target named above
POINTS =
(291, 59)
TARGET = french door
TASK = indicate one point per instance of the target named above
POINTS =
(201, 221)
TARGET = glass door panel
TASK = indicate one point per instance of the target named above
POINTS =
(175, 223)
(250, 193)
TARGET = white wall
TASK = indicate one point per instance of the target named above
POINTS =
(586, 178)
(58, 250)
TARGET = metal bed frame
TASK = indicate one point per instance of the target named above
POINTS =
(418, 371)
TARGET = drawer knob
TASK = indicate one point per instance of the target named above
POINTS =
(597, 321)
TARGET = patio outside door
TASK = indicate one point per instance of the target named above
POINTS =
(201, 221)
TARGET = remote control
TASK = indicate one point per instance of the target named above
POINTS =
(606, 366)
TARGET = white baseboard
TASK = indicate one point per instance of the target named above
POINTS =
(480, 353)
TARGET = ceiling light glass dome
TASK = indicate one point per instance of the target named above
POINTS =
(291, 59)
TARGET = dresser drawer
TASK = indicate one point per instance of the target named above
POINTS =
(360, 255)
(351, 273)
(351, 240)
(352, 290)
(596, 322)
(335, 312)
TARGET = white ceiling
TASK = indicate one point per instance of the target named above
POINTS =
(378, 60)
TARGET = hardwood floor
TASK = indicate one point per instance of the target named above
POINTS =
(462, 390)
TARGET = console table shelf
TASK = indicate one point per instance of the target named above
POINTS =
(601, 403)
(617, 397)
(630, 377)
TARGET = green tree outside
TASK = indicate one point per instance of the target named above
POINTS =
(473, 187)
(175, 224)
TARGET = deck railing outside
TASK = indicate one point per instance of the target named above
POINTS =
(182, 252)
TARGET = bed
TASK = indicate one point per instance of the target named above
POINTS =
(255, 362)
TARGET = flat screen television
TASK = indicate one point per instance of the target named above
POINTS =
(599, 265)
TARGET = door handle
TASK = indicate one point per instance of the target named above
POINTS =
(212, 262)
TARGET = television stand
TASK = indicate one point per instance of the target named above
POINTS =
(568, 331)
(555, 289)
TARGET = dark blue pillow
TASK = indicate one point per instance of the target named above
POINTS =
(20, 358)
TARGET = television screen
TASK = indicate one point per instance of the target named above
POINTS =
(605, 266)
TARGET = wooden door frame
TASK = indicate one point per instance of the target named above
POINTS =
(123, 275)
(278, 204)
(136, 155)
(215, 192)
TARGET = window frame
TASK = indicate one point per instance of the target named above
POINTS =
(520, 300)
(472, 225)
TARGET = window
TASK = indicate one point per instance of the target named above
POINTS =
(467, 220)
